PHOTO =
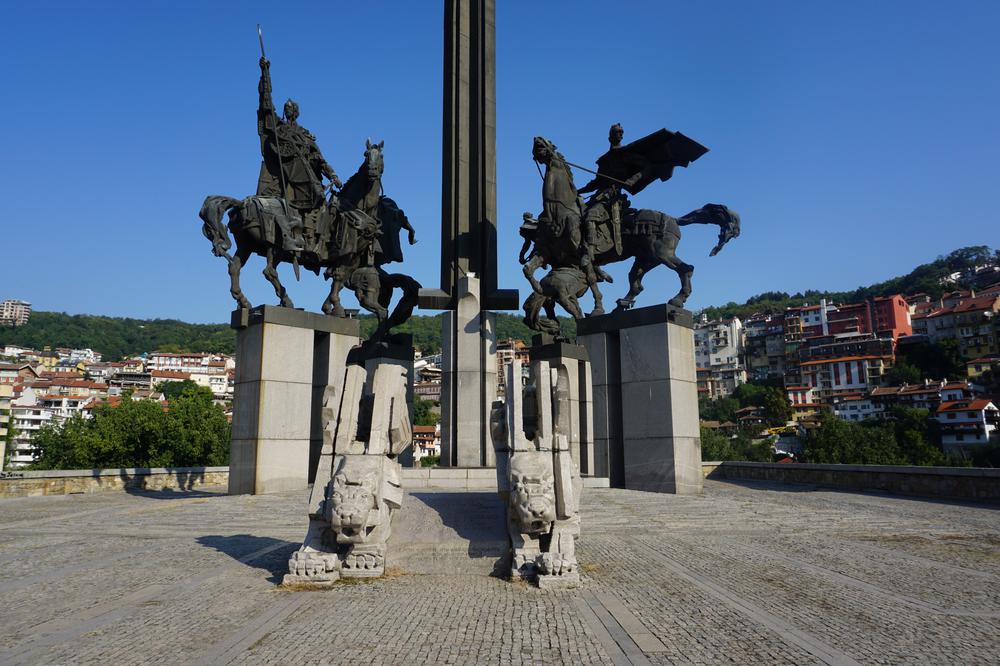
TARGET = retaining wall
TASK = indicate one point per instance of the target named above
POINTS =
(16, 483)
(964, 483)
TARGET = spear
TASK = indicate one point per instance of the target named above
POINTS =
(277, 148)
(274, 117)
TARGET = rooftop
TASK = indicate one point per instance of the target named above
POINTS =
(747, 573)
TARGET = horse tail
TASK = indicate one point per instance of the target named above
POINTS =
(212, 210)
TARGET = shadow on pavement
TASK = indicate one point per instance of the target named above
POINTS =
(239, 546)
(475, 517)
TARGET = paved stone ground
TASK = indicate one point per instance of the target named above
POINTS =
(748, 573)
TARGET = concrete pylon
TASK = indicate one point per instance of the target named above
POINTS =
(468, 235)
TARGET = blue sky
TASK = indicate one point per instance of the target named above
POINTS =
(856, 139)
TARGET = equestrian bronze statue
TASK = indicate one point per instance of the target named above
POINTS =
(576, 239)
(294, 218)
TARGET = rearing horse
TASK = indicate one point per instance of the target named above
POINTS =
(649, 237)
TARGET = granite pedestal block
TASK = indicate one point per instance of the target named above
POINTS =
(468, 380)
(284, 360)
(579, 403)
(646, 434)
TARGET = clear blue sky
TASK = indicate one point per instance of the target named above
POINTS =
(856, 139)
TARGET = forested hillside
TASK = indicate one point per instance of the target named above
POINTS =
(924, 278)
(116, 337)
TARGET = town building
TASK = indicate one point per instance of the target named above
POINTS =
(14, 312)
(764, 351)
(426, 441)
(967, 423)
(199, 363)
(718, 349)
(978, 366)
(27, 415)
(6, 394)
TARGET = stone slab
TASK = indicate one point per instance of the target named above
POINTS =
(653, 314)
(273, 314)
(660, 464)
(281, 465)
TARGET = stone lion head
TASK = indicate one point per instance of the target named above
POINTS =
(354, 496)
(532, 491)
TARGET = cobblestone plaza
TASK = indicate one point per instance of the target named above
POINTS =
(746, 573)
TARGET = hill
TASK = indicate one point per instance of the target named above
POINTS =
(927, 278)
(117, 337)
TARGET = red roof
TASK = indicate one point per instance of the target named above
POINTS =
(977, 303)
(170, 374)
(841, 359)
(964, 405)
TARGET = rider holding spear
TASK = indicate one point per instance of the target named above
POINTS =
(293, 167)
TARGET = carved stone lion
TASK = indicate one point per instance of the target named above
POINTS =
(361, 497)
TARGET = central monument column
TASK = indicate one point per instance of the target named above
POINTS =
(468, 290)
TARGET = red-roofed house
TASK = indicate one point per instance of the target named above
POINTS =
(967, 423)
(978, 366)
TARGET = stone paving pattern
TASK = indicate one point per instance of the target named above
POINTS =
(747, 573)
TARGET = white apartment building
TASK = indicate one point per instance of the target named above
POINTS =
(6, 393)
(207, 364)
(28, 416)
(967, 423)
(718, 348)
(14, 312)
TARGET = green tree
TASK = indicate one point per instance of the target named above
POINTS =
(198, 429)
(716, 446)
(172, 390)
(917, 437)
(139, 433)
(940, 360)
(720, 409)
(423, 412)
(837, 441)
(777, 409)
(903, 373)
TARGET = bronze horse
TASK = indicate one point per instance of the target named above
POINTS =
(355, 228)
(649, 237)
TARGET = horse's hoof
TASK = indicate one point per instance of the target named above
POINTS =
(596, 312)
(676, 302)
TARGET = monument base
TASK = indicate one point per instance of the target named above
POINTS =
(646, 426)
(284, 360)
(366, 424)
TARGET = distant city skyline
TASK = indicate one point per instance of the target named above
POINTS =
(856, 140)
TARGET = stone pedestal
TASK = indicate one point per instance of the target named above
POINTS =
(468, 379)
(579, 402)
(284, 360)
(645, 399)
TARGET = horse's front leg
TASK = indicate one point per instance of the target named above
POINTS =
(639, 268)
(236, 264)
(529, 269)
(332, 305)
(598, 300)
(271, 273)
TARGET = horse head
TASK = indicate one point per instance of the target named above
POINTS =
(373, 165)
(543, 151)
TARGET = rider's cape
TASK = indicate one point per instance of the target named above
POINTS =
(655, 156)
